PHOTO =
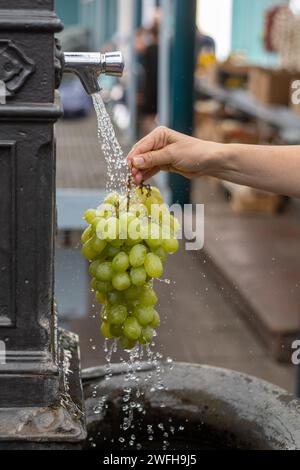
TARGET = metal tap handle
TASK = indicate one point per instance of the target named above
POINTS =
(89, 65)
(113, 63)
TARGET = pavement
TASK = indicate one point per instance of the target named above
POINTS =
(258, 256)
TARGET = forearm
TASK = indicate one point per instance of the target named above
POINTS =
(270, 168)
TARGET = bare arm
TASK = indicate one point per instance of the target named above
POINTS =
(270, 168)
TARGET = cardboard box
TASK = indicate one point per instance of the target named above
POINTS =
(271, 86)
(227, 75)
(227, 131)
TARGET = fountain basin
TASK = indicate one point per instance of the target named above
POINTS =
(209, 408)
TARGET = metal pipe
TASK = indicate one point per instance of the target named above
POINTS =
(182, 88)
(89, 65)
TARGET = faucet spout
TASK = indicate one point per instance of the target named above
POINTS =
(89, 65)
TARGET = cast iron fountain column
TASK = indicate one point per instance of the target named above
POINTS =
(39, 399)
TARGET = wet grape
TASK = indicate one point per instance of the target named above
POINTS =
(126, 243)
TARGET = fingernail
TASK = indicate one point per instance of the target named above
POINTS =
(139, 162)
(138, 178)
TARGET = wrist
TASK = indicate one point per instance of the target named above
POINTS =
(222, 160)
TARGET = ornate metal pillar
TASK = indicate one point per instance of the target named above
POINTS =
(40, 386)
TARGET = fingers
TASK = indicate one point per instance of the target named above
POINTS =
(156, 140)
(155, 158)
(141, 176)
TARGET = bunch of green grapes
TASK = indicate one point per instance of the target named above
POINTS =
(127, 242)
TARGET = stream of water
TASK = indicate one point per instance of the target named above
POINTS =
(117, 169)
(132, 399)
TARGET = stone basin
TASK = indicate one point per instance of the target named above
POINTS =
(210, 408)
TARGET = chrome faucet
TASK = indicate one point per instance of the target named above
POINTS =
(89, 65)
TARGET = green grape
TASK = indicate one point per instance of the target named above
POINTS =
(111, 230)
(153, 243)
(127, 248)
(104, 271)
(153, 265)
(97, 220)
(156, 194)
(156, 320)
(137, 255)
(112, 198)
(93, 267)
(107, 229)
(146, 335)
(170, 226)
(86, 235)
(124, 221)
(132, 293)
(174, 224)
(94, 284)
(106, 210)
(117, 315)
(160, 252)
(89, 215)
(138, 276)
(117, 243)
(101, 298)
(103, 313)
(141, 194)
(145, 230)
(130, 242)
(111, 251)
(126, 343)
(148, 296)
(135, 230)
(160, 213)
(154, 239)
(121, 281)
(170, 245)
(120, 263)
(154, 197)
(114, 297)
(132, 329)
(116, 331)
(138, 210)
(123, 204)
(144, 315)
(88, 251)
(131, 305)
(98, 245)
(104, 287)
(105, 330)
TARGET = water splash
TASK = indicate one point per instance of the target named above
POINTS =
(117, 168)
(132, 400)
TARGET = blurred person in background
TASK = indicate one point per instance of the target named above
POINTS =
(147, 47)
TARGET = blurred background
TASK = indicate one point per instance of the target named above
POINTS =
(220, 70)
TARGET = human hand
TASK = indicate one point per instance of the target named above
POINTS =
(167, 150)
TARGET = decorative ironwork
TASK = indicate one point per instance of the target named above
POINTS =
(15, 66)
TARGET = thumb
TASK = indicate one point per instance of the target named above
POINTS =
(155, 158)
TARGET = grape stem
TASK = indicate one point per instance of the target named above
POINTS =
(129, 186)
